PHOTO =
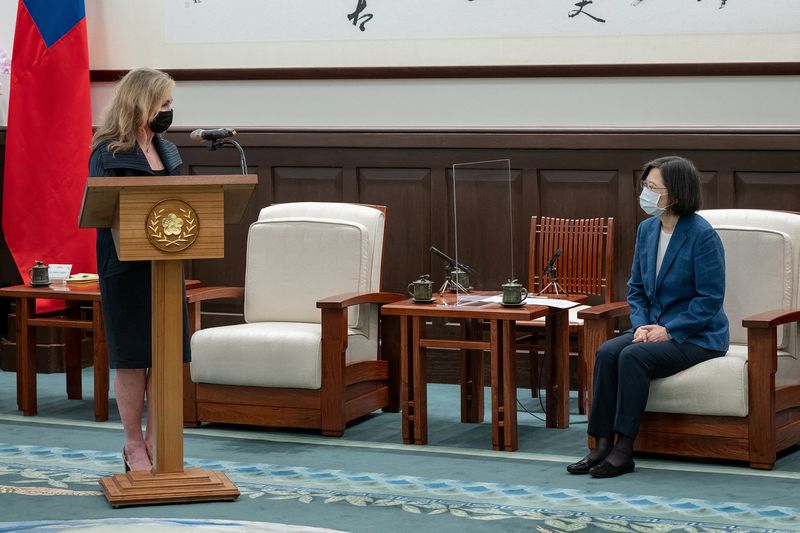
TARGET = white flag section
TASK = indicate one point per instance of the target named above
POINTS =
(229, 21)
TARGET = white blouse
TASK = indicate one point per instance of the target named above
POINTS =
(663, 242)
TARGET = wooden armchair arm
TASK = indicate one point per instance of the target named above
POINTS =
(772, 319)
(336, 372)
(201, 294)
(341, 301)
(605, 311)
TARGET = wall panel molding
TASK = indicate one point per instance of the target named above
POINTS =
(556, 173)
(787, 68)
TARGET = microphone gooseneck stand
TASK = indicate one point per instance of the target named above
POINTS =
(455, 273)
(213, 145)
(552, 273)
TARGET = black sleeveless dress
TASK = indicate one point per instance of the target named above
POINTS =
(125, 285)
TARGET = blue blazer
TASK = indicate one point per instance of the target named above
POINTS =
(686, 297)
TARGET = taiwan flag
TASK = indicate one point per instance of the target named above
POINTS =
(48, 137)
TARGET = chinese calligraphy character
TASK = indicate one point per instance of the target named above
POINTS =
(580, 5)
(356, 15)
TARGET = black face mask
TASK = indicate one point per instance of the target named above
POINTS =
(161, 122)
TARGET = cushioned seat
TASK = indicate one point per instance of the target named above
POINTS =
(269, 354)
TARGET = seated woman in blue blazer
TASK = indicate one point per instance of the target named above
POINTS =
(675, 294)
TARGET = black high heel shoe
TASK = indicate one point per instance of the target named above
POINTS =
(125, 460)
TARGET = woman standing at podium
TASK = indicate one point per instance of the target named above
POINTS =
(129, 143)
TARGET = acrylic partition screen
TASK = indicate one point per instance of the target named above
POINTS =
(482, 227)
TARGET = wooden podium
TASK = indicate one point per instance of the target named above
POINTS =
(166, 220)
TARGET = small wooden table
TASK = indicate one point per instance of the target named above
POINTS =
(501, 345)
(73, 295)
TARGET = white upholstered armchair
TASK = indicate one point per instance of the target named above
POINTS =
(746, 405)
(308, 354)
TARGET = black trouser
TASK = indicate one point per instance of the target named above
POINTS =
(622, 374)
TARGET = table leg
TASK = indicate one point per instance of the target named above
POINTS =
(471, 371)
(509, 381)
(72, 355)
(100, 364)
(406, 383)
(557, 328)
(26, 357)
(195, 314)
(390, 343)
(419, 362)
(497, 384)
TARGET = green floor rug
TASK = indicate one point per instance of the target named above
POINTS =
(369, 481)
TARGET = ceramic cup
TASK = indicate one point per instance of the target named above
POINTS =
(514, 293)
(421, 290)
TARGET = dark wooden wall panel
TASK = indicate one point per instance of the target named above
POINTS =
(768, 190)
(557, 173)
(304, 184)
(583, 194)
(406, 194)
(710, 187)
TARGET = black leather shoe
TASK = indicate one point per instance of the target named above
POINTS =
(583, 466)
(606, 469)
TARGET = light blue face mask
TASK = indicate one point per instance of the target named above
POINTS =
(648, 201)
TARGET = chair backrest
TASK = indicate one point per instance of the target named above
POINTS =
(586, 265)
(762, 257)
(298, 253)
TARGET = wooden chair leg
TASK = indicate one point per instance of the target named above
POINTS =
(334, 345)
(581, 375)
(190, 387)
(72, 355)
(189, 398)
(100, 364)
(762, 345)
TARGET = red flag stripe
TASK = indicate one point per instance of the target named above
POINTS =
(47, 149)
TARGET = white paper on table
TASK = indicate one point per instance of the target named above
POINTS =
(532, 300)
(551, 302)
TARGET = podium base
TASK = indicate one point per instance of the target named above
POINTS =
(147, 488)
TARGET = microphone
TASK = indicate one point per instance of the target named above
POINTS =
(552, 262)
(212, 135)
(452, 262)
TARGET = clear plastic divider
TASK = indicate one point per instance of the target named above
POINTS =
(482, 231)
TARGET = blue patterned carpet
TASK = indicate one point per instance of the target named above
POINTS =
(368, 481)
(38, 472)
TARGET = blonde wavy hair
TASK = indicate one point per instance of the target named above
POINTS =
(137, 97)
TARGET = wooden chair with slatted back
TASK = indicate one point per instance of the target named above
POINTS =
(586, 266)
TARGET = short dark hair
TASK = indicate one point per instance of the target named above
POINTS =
(682, 181)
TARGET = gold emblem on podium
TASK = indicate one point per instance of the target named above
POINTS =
(172, 225)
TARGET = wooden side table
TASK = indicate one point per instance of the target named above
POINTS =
(25, 296)
(501, 345)
(72, 294)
